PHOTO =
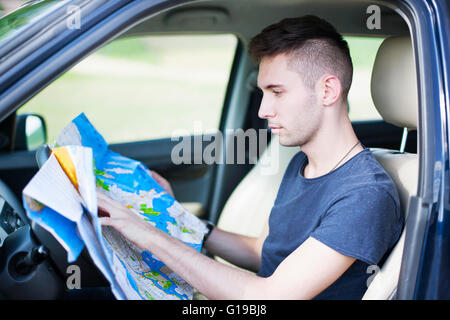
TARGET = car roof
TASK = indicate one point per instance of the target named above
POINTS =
(247, 18)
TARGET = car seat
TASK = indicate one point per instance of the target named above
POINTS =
(394, 93)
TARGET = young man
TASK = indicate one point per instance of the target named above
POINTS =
(337, 211)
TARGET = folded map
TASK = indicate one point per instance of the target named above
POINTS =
(61, 197)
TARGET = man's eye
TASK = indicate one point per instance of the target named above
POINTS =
(276, 93)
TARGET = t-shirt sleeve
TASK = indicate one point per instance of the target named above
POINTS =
(362, 224)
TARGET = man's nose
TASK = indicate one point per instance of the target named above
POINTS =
(266, 109)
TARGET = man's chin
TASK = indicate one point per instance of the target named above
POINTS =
(286, 142)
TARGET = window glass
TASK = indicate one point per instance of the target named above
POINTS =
(143, 88)
(14, 23)
(363, 51)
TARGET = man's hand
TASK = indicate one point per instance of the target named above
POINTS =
(129, 224)
(162, 182)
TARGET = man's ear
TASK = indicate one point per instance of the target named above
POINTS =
(331, 89)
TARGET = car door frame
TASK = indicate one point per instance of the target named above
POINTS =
(424, 272)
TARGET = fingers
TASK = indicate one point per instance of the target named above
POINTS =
(115, 223)
(106, 202)
(112, 222)
(107, 221)
(162, 182)
(103, 203)
(108, 207)
(156, 176)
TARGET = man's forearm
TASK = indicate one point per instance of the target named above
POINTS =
(213, 279)
(237, 249)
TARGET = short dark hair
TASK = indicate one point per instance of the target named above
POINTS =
(314, 44)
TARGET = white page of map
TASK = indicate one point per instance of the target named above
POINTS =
(51, 187)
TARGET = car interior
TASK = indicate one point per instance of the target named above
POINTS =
(238, 198)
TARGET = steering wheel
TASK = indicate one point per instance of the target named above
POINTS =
(44, 276)
(25, 273)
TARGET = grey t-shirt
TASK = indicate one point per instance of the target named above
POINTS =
(354, 210)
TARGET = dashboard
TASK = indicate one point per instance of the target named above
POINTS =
(10, 221)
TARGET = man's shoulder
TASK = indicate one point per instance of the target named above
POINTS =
(366, 184)
(364, 169)
(362, 173)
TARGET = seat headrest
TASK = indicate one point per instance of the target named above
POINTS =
(394, 83)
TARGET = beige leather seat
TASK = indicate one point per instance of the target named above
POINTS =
(248, 207)
(395, 96)
(394, 93)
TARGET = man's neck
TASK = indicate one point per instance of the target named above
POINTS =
(333, 145)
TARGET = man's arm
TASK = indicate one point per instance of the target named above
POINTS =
(306, 272)
(240, 250)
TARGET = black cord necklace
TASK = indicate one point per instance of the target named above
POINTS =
(345, 155)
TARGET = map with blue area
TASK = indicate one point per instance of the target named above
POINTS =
(130, 182)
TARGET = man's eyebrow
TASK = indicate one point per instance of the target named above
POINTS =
(271, 86)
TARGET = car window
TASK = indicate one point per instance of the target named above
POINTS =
(363, 51)
(142, 88)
